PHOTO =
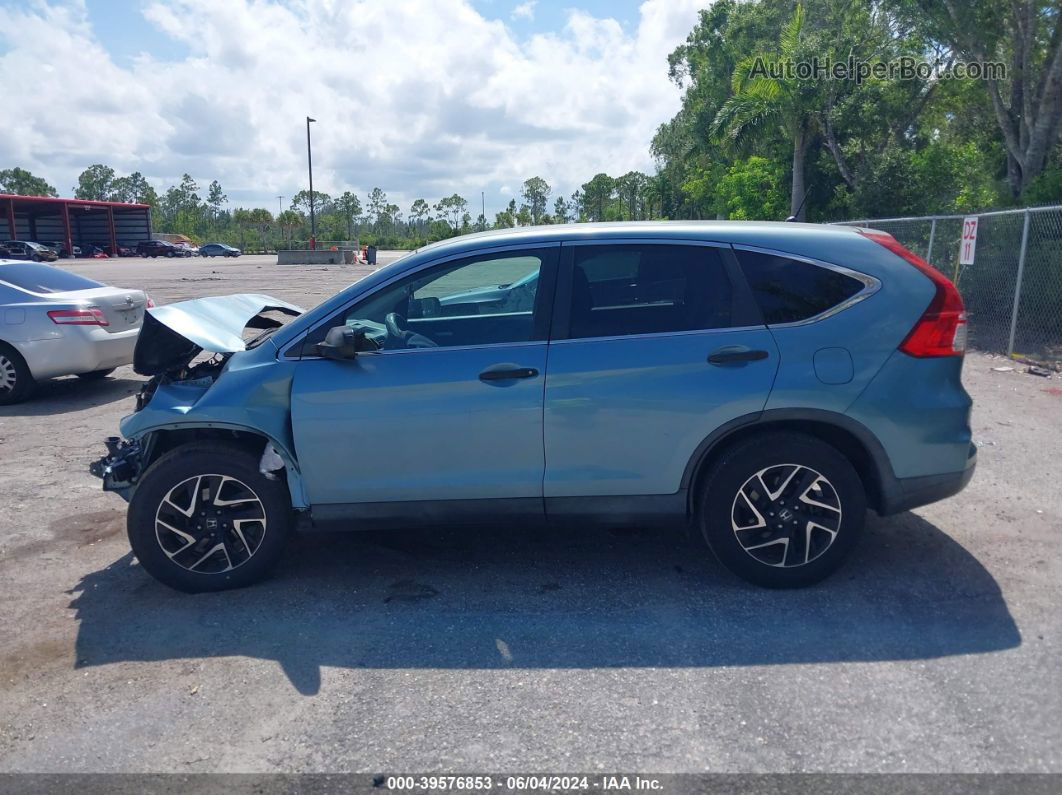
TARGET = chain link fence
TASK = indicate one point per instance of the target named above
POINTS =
(1013, 289)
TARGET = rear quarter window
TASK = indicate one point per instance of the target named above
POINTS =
(789, 290)
(44, 279)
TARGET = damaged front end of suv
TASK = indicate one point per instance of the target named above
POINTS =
(193, 396)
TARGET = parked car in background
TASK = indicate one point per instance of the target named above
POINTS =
(218, 250)
(187, 249)
(123, 250)
(60, 248)
(157, 248)
(764, 383)
(60, 323)
(24, 249)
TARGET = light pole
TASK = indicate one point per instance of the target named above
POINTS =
(280, 204)
(309, 165)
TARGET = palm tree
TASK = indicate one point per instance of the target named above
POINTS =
(766, 98)
(289, 220)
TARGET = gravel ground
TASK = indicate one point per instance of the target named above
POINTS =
(937, 648)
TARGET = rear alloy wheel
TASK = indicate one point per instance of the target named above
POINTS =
(782, 510)
(203, 518)
(16, 381)
(786, 515)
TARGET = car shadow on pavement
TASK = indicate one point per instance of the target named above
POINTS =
(64, 395)
(556, 598)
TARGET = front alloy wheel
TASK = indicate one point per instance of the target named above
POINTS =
(210, 523)
(204, 518)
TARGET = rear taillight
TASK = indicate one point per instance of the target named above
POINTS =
(92, 316)
(150, 302)
(941, 331)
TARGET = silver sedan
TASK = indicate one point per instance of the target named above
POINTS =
(53, 322)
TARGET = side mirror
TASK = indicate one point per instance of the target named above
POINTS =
(342, 343)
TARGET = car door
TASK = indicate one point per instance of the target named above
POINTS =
(450, 407)
(655, 345)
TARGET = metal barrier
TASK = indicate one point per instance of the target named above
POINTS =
(295, 245)
(1013, 289)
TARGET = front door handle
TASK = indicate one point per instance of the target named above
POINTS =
(504, 372)
(735, 353)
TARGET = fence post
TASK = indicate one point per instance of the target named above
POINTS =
(1017, 286)
(932, 234)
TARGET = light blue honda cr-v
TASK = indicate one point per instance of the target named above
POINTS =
(764, 382)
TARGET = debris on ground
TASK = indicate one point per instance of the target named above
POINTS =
(1002, 369)
(1043, 363)
(1043, 372)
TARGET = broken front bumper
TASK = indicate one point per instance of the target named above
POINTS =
(120, 468)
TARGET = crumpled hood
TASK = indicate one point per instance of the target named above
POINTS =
(173, 335)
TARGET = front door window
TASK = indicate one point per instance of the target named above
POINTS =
(485, 300)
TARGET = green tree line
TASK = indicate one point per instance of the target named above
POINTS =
(347, 217)
(752, 140)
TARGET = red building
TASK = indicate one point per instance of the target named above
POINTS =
(75, 222)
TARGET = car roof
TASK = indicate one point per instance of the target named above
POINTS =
(842, 245)
(738, 232)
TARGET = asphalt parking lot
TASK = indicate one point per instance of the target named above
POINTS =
(936, 648)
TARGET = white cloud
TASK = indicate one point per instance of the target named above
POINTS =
(525, 10)
(420, 99)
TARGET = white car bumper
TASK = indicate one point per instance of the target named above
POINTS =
(80, 349)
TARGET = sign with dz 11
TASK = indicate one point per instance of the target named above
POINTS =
(968, 242)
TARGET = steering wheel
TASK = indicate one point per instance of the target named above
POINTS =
(398, 336)
(395, 325)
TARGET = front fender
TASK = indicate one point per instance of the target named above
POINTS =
(251, 394)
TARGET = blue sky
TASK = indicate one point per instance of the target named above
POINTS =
(422, 98)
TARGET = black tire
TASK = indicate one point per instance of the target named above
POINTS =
(16, 380)
(180, 466)
(734, 521)
(170, 254)
(97, 375)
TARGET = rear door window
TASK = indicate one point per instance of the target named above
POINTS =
(789, 290)
(647, 289)
(43, 279)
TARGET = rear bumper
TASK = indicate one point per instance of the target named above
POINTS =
(903, 494)
(80, 349)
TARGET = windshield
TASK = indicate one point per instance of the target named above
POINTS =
(36, 278)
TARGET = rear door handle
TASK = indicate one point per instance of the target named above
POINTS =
(736, 353)
(504, 372)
